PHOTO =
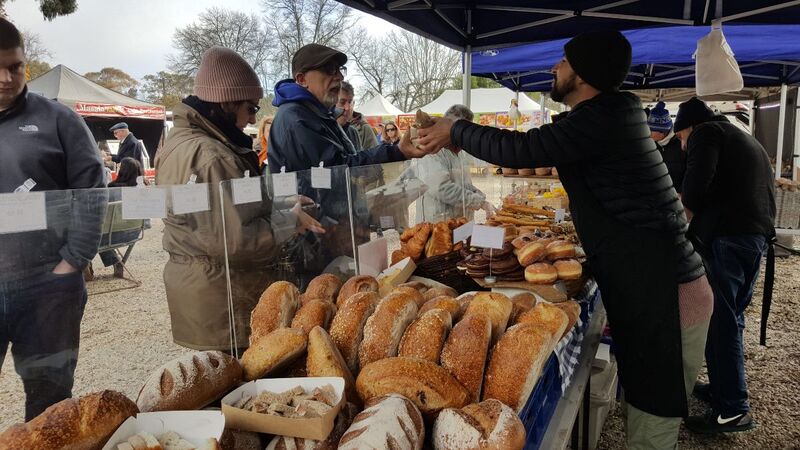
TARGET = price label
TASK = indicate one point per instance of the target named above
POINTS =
(190, 198)
(284, 184)
(488, 237)
(373, 257)
(144, 203)
(23, 211)
(320, 178)
(246, 190)
(463, 232)
(560, 214)
(387, 222)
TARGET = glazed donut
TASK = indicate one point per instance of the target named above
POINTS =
(541, 273)
(568, 269)
(531, 253)
(560, 249)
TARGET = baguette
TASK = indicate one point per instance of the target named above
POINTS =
(497, 307)
(425, 336)
(347, 327)
(465, 351)
(275, 309)
(314, 313)
(85, 423)
(385, 328)
(323, 287)
(448, 304)
(516, 364)
(324, 360)
(427, 384)
(189, 382)
(547, 317)
(486, 425)
(388, 422)
(355, 285)
(273, 352)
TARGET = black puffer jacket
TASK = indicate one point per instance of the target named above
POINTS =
(632, 226)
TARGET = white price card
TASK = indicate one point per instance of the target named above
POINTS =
(373, 257)
(246, 190)
(463, 232)
(320, 178)
(387, 222)
(24, 211)
(284, 184)
(190, 198)
(488, 237)
(144, 203)
(560, 214)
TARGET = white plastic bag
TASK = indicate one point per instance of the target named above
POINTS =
(716, 70)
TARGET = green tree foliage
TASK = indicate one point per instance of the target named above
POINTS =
(167, 88)
(115, 79)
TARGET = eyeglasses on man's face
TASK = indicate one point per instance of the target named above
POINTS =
(332, 69)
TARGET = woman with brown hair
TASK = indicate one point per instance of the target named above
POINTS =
(263, 140)
(390, 133)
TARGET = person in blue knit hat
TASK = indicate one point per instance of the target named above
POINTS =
(661, 131)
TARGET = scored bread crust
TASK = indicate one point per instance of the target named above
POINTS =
(189, 382)
(388, 422)
(323, 287)
(489, 425)
(385, 327)
(426, 335)
(465, 352)
(347, 327)
(325, 360)
(516, 364)
(360, 283)
(427, 384)
(273, 352)
(547, 317)
(275, 309)
(444, 302)
(497, 307)
(314, 313)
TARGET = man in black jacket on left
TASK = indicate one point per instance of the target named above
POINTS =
(129, 145)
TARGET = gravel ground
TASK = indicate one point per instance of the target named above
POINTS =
(126, 334)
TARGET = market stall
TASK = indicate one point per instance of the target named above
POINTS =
(101, 107)
(492, 106)
(378, 110)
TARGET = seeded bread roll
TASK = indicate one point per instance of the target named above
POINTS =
(497, 307)
(189, 382)
(385, 328)
(427, 384)
(465, 352)
(516, 364)
(324, 360)
(275, 309)
(323, 287)
(84, 423)
(347, 327)
(418, 285)
(361, 283)
(446, 303)
(440, 291)
(412, 293)
(547, 317)
(479, 426)
(389, 422)
(314, 313)
(425, 336)
(522, 302)
(273, 352)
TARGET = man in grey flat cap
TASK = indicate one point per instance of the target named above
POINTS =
(129, 145)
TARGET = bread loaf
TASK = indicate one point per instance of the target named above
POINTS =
(486, 425)
(573, 311)
(440, 291)
(343, 421)
(522, 302)
(418, 285)
(441, 241)
(410, 293)
(385, 328)
(547, 317)
(389, 422)
(323, 287)
(85, 423)
(241, 440)
(189, 382)
(427, 384)
(448, 304)
(314, 313)
(273, 352)
(425, 336)
(275, 309)
(497, 307)
(361, 283)
(324, 360)
(347, 327)
(516, 364)
(465, 352)
(463, 302)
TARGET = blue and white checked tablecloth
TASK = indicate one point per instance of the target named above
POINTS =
(568, 349)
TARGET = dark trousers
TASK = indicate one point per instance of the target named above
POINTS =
(733, 267)
(41, 318)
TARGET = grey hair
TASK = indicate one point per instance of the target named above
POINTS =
(347, 88)
(457, 112)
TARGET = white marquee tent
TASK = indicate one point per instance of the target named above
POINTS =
(378, 106)
(486, 100)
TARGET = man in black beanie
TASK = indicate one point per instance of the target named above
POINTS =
(630, 222)
(730, 192)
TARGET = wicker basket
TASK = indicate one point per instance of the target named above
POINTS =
(443, 269)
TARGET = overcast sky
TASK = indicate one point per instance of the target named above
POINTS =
(134, 36)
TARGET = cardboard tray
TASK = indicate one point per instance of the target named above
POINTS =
(315, 428)
(196, 427)
(546, 291)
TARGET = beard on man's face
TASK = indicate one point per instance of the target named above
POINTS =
(561, 90)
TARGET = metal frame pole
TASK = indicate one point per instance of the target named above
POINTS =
(781, 129)
(796, 149)
(467, 84)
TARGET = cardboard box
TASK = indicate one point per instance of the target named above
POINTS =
(315, 428)
(196, 427)
(395, 275)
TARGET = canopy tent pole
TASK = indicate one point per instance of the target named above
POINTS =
(796, 149)
(467, 85)
(781, 129)
(543, 98)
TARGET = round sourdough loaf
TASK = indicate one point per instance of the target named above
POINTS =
(489, 425)
(388, 422)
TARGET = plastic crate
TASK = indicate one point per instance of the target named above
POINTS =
(541, 404)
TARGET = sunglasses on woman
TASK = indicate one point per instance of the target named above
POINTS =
(391, 129)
